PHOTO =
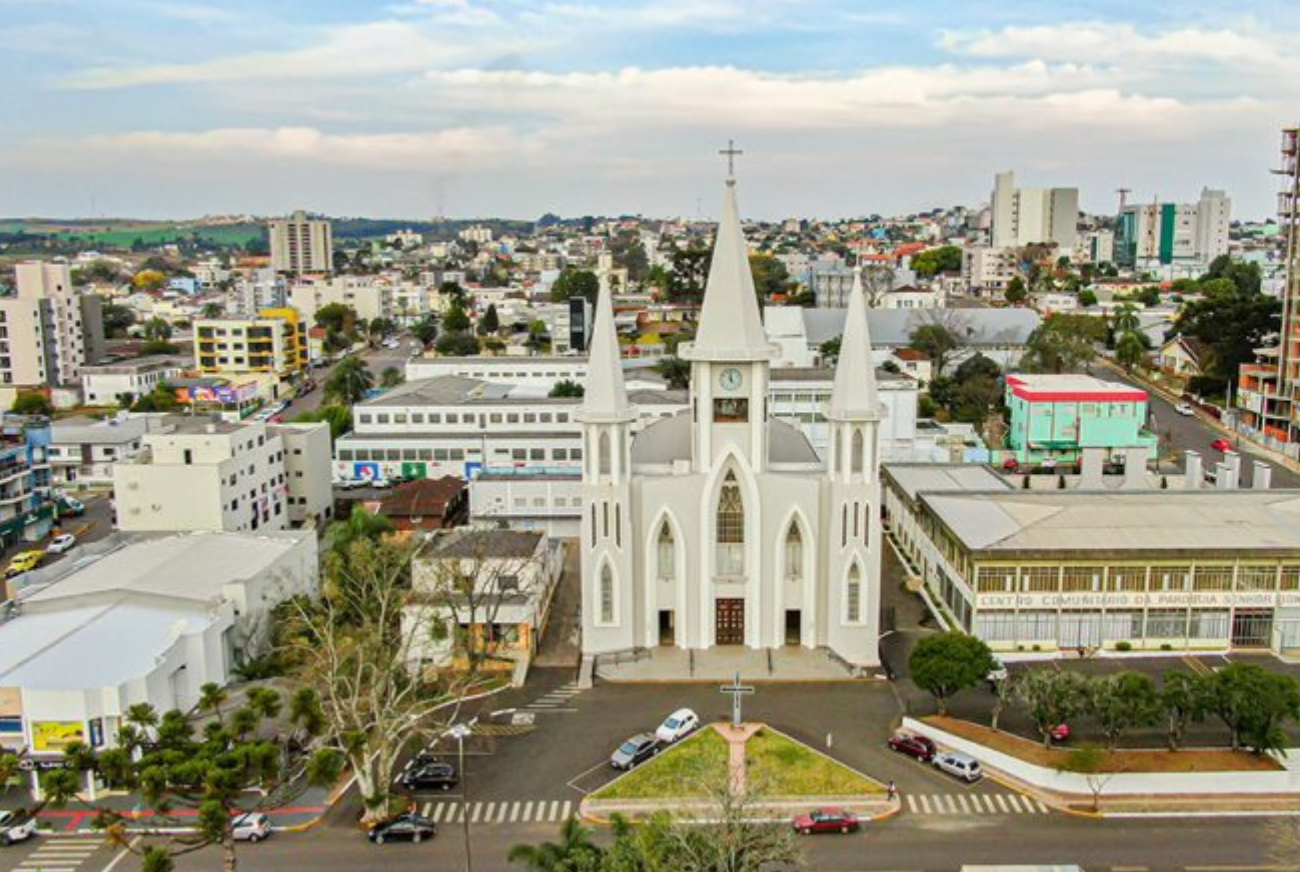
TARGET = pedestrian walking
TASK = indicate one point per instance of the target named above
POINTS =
(893, 791)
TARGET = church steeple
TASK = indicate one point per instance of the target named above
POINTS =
(854, 396)
(605, 397)
(730, 326)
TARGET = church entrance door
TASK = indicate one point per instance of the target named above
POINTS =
(730, 623)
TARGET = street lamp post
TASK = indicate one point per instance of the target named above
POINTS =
(460, 732)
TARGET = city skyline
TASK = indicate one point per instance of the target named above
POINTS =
(467, 109)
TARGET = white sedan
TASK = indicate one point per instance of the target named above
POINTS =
(16, 827)
(1183, 409)
(680, 724)
(62, 543)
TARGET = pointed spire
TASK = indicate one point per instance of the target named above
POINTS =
(605, 397)
(854, 397)
(730, 326)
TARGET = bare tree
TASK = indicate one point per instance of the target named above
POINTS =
(876, 281)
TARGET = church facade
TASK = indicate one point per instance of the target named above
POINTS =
(722, 525)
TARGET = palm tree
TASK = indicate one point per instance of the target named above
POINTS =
(573, 853)
(350, 381)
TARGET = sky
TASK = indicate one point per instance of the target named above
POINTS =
(475, 108)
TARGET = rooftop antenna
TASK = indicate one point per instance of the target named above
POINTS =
(1123, 197)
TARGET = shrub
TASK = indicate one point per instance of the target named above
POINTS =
(1123, 646)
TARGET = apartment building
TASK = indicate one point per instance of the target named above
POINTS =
(1057, 417)
(222, 476)
(84, 450)
(274, 344)
(986, 271)
(361, 294)
(1021, 215)
(26, 504)
(48, 332)
(1164, 234)
(300, 245)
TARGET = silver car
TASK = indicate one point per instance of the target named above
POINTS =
(963, 766)
(250, 827)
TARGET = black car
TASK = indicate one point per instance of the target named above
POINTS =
(430, 775)
(634, 751)
(410, 826)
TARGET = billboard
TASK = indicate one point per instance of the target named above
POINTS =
(55, 735)
(366, 470)
(415, 469)
(224, 395)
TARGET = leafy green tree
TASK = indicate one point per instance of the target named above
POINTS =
(381, 327)
(676, 371)
(947, 663)
(929, 263)
(539, 337)
(339, 418)
(770, 276)
(1063, 343)
(391, 377)
(576, 282)
(490, 322)
(1122, 701)
(830, 351)
(170, 764)
(1016, 291)
(1052, 698)
(117, 319)
(457, 345)
(1184, 699)
(1232, 323)
(455, 320)
(456, 293)
(566, 388)
(1253, 703)
(1087, 298)
(1245, 276)
(689, 272)
(161, 399)
(157, 330)
(425, 329)
(1129, 349)
(629, 254)
(1125, 319)
(212, 310)
(350, 381)
(575, 852)
(937, 341)
(338, 318)
(31, 403)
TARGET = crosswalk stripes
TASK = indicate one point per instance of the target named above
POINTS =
(556, 700)
(498, 812)
(59, 855)
(973, 804)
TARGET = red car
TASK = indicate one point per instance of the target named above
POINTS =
(913, 746)
(1060, 733)
(826, 821)
(1221, 445)
(1010, 464)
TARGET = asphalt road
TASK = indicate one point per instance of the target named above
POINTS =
(1180, 433)
(377, 359)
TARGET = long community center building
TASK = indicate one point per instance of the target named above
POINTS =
(1143, 569)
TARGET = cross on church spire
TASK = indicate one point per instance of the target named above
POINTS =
(731, 152)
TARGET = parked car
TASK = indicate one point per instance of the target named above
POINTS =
(350, 484)
(680, 724)
(24, 562)
(920, 747)
(826, 821)
(1060, 732)
(634, 751)
(250, 827)
(69, 506)
(1010, 464)
(1184, 409)
(61, 543)
(963, 766)
(410, 826)
(430, 775)
(1221, 445)
(16, 826)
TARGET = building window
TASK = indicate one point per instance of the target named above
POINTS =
(730, 529)
(667, 553)
(605, 455)
(593, 525)
(857, 453)
(606, 595)
(853, 596)
(618, 525)
(729, 410)
(794, 553)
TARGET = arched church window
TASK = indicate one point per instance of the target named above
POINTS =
(794, 553)
(593, 525)
(844, 525)
(855, 519)
(618, 525)
(606, 594)
(667, 553)
(730, 528)
(857, 453)
(605, 454)
(853, 596)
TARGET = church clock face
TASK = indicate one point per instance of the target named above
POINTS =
(730, 379)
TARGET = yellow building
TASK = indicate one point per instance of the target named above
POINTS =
(273, 343)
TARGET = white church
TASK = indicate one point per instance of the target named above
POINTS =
(722, 525)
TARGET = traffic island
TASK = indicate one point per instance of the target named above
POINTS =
(750, 766)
